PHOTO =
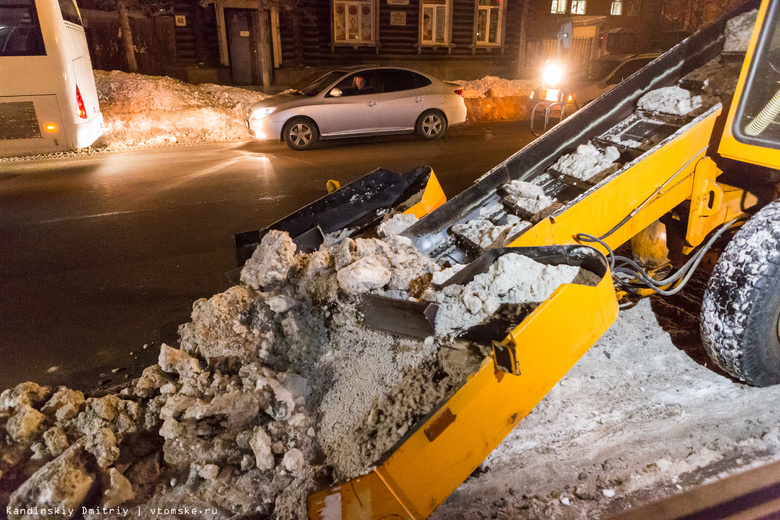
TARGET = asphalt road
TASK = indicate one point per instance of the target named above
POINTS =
(102, 255)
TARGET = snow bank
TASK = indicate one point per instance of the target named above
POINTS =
(141, 111)
(495, 87)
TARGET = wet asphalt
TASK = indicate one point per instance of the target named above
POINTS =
(101, 257)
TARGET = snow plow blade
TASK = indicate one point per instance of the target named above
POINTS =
(448, 444)
(354, 207)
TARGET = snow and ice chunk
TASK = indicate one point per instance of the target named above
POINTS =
(526, 196)
(271, 260)
(588, 161)
(738, 32)
(669, 100)
(512, 278)
(397, 224)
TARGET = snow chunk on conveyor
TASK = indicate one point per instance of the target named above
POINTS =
(512, 278)
(669, 100)
(587, 161)
(738, 32)
(397, 224)
(526, 196)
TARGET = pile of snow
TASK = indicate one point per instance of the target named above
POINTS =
(276, 388)
(141, 111)
(513, 279)
(495, 87)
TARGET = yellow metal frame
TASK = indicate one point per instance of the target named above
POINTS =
(433, 197)
(444, 449)
(649, 189)
(729, 146)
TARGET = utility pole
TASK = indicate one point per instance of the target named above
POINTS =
(522, 48)
(127, 36)
(264, 44)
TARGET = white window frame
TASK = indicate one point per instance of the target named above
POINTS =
(558, 7)
(616, 9)
(372, 17)
(578, 7)
(501, 8)
(447, 23)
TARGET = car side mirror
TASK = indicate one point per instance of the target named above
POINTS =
(335, 92)
(614, 80)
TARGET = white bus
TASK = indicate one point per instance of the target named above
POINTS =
(48, 100)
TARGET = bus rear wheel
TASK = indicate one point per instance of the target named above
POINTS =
(740, 320)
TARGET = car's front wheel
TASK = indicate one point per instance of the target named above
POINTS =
(431, 125)
(300, 133)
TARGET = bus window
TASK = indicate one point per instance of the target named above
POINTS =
(70, 12)
(20, 33)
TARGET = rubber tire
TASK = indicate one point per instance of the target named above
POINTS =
(288, 138)
(421, 121)
(741, 306)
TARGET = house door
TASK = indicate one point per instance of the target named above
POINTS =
(242, 46)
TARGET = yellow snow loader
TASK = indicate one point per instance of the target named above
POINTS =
(692, 144)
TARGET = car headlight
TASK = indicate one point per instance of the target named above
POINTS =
(261, 113)
(552, 74)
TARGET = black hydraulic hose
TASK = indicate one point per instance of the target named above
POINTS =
(685, 272)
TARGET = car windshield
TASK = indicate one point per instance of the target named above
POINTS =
(598, 69)
(313, 86)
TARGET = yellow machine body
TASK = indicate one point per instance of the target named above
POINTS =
(730, 146)
(439, 453)
(447, 446)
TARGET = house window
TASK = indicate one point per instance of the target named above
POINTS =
(490, 15)
(558, 7)
(577, 6)
(434, 22)
(627, 7)
(353, 21)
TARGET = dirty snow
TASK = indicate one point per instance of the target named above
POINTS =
(528, 197)
(587, 161)
(495, 87)
(669, 100)
(485, 234)
(637, 417)
(396, 224)
(513, 279)
(141, 111)
(738, 32)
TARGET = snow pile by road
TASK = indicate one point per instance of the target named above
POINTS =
(141, 111)
(496, 99)
(495, 87)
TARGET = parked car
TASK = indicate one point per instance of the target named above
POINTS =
(603, 74)
(356, 102)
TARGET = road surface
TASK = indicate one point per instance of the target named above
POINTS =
(102, 255)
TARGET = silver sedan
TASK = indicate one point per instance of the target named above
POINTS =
(356, 102)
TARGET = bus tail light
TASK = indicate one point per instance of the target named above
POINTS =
(459, 92)
(80, 108)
